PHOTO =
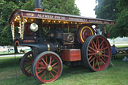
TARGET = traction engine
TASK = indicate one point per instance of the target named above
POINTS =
(57, 40)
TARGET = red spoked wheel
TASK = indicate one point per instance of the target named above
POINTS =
(84, 32)
(47, 67)
(26, 63)
(96, 53)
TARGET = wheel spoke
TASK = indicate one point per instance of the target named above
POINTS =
(53, 60)
(98, 43)
(106, 55)
(98, 63)
(44, 61)
(91, 48)
(41, 67)
(55, 67)
(49, 75)
(43, 74)
(101, 43)
(40, 71)
(102, 61)
(28, 69)
(27, 65)
(52, 74)
(102, 58)
(92, 59)
(50, 60)
(93, 63)
(94, 44)
(102, 47)
(54, 71)
(54, 64)
(105, 48)
(91, 54)
(41, 63)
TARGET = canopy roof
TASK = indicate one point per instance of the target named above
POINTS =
(57, 16)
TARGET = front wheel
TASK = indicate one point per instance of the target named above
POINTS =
(47, 67)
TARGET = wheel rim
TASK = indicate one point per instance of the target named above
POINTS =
(98, 53)
(48, 68)
(27, 63)
(84, 33)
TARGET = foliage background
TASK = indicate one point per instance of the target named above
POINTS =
(8, 6)
(116, 10)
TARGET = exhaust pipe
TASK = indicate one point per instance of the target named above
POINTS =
(38, 5)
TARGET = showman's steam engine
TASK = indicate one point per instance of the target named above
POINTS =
(57, 39)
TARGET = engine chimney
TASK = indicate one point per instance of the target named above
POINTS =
(38, 6)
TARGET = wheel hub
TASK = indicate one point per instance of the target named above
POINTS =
(49, 67)
(98, 53)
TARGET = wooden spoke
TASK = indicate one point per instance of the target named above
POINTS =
(50, 60)
(91, 54)
(49, 75)
(91, 48)
(54, 64)
(55, 67)
(40, 71)
(41, 67)
(43, 74)
(105, 55)
(102, 61)
(52, 74)
(102, 58)
(101, 43)
(44, 61)
(54, 71)
(92, 59)
(105, 48)
(28, 69)
(27, 65)
(94, 44)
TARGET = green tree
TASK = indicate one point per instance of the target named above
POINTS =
(54, 6)
(121, 27)
(106, 9)
(61, 6)
(6, 10)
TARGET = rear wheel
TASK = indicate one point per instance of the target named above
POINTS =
(26, 63)
(96, 53)
(47, 67)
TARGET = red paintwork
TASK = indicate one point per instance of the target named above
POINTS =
(71, 55)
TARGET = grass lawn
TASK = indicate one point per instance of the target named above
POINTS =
(117, 75)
